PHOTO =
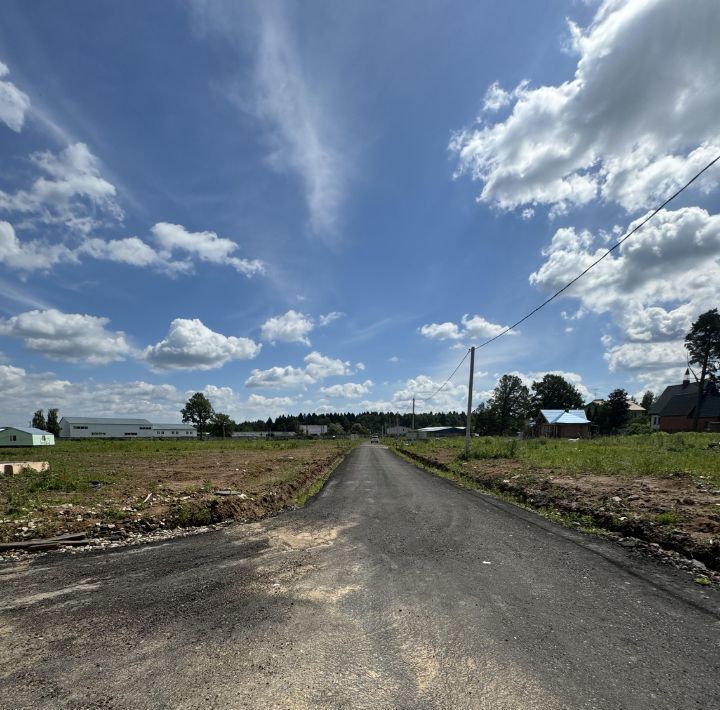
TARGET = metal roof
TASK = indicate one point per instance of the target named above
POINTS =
(441, 428)
(672, 391)
(565, 416)
(172, 426)
(26, 429)
(105, 420)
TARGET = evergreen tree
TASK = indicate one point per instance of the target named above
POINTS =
(510, 404)
(647, 400)
(555, 392)
(613, 414)
(703, 345)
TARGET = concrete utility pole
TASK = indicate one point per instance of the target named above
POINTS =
(468, 426)
(413, 419)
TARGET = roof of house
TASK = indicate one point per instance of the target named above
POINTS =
(635, 407)
(564, 416)
(172, 426)
(684, 406)
(672, 391)
(441, 428)
(26, 429)
(106, 420)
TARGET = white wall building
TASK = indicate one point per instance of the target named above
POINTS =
(25, 436)
(105, 428)
(313, 429)
(174, 431)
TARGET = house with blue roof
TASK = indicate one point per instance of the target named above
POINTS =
(562, 423)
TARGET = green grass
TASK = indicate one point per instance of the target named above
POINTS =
(657, 454)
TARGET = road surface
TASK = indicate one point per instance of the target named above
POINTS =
(392, 589)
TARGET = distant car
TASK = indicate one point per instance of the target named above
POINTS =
(374, 439)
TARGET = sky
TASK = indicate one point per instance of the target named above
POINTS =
(313, 207)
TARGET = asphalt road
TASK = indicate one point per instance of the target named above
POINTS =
(392, 589)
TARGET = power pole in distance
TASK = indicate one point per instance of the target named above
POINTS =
(413, 418)
(468, 427)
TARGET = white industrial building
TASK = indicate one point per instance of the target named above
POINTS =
(25, 436)
(174, 431)
(121, 428)
(313, 429)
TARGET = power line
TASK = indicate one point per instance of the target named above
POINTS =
(607, 253)
(444, 384)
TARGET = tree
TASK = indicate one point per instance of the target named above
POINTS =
(221, 425)
(703, 345)
(647, 400)
(510, 404)
(53, 425)
(555, 392)
(335, 429)
(38, 420)
(198, 411)
(358, 428)
(613, 413)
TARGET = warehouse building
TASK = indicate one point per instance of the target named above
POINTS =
(25, 436)
(121, 428)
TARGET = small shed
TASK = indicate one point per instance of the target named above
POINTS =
(565, 423)
(25, 436)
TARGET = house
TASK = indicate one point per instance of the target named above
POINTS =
(25, 436)
(174, 431)
(566, 423)
(634, 409)
(678, 414)
(687, 388)
(105, 428)
(435, 431)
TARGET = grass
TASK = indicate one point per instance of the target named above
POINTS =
(109, 475)
(657, 454)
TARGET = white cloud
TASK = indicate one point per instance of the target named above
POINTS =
(653, 287)
(348, 390)
(451, 397)
(191, 345)
(71, 192)
(394, 358)
(292, 327)
(73, 337)
(317, 367)
(473, 328)
(13, 102)
(33, 255)
(303, 137)
(205, 246)
(572, 377)
(329, 318)
(619, 128)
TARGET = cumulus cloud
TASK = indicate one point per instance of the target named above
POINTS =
(191, 345)
(292, 327)
(14, 104)
(71, 191)
(653, 286)
(73, 337)
(205, 246)
(348, 390)
(620, 128)
(471, 328)
(32, 255)
(452, 397)
(317, 367)
(572, 377)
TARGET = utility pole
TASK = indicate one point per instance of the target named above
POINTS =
(413, 418)
(468, 427)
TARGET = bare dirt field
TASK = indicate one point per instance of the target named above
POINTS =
(117, 488)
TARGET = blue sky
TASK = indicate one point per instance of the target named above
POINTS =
(319, 206)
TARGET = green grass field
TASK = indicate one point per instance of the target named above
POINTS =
(656, 454)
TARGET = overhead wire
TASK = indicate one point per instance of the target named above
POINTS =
(617, 244)
(598, 260)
